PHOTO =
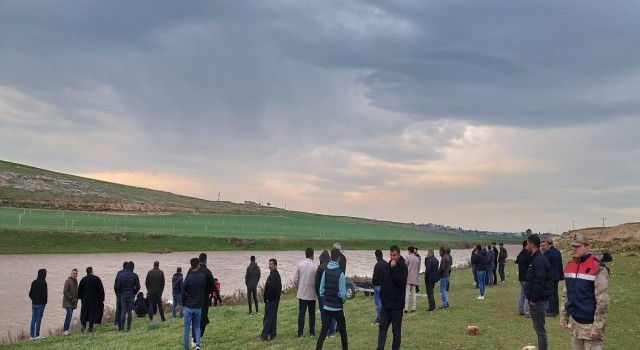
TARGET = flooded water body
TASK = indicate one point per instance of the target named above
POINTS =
(18, 271)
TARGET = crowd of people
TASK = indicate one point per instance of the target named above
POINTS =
(585, 296)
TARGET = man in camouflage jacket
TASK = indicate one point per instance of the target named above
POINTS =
(585, 296)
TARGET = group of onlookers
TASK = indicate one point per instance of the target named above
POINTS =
(484, 260)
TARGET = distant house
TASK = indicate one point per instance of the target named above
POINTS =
(250, 203)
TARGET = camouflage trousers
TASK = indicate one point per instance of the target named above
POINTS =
(583, 344)
(581, 337)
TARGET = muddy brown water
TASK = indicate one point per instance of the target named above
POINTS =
(18, 271)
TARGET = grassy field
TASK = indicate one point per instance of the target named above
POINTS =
(501, 326)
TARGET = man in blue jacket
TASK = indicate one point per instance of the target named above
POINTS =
(192, 302)
(392, 294)
(538, 288)
(431, 277)
(333, 291)
(557, 274)
(127, 286)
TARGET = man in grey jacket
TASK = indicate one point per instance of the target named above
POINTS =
(251, 279)
(155, 287)
(305, 281)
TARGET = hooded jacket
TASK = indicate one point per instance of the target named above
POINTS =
(481, 260)
(70, 293)
(252, 276)
(394, 283)
(38, 292)
(324, 260)
(176, 283)
(539, 285)
(140, 305)
(128, 284)
(192, 288)
(333, 288)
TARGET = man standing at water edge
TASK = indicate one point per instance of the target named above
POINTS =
(523, 264)
(481, 260)
(304, 280)
(333, 290)
(192, 300)
(413, 279)
(70, 299)
(495, 262)
(392, 295)
(176, 292)
(538, 289)
(431, 277)
(502, 259)
(91, 292)
(557, 274)
(585, 296)
(251, 279)
(444, 271)
(155, 286)
(378, 274)
(210, 286)
(272, 292)
(38, 295)
(127, 286)
(117, 317)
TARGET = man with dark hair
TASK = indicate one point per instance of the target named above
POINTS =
(155, 286)
(539, 288)
(585, 296)
(481, 260)
(334, 292)
(304, 279)
(127, 286)
(523, 264)
(210, 287)
(192, 301)
(557, 274)
(272, 292)
(444, 271)
(392, 295)
(379, 270)
(448, 252)
(415, 251)
(251, 279)
(431, 277)
(38, 294)
(413, 279)
(70, 299)
(91, 292)
(502, 259)
(116, 319)
(495, 262)
(176, 292)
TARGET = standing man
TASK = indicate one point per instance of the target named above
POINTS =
(272, 292)
(324, 258)
(481, 261)
(444, 271)
(333, 289)
(378, 275)
(413, 279)
(415, 251)
(176, 291)
(393, 296)
(343, 259)
(38, 295)
(192, 300)
(251, 279)
(118, 302)
(502, 259)
(155, 286)
(539, 288)
(495, 262)
(585, 296)
(70, 299)
(557, 274)
(431, 277)
(305, 280)
(91, 292)
(523, 265)
(127, 286)
(210, 287)
(448, 252)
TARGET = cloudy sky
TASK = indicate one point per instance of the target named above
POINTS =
(498, 115)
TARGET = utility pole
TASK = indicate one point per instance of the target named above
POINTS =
(218, 195)
(603, 222)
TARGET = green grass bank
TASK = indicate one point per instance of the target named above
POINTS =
(501, 326)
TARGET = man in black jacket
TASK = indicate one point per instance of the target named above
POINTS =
(392, 294)
(251, 279)
(155, 286)
(116, 318)
(38, 295)
(127, 286)
(523, 264)
(538, 288)
(502, 259)
(272, 292)
(176, 292)
(557, 274)
(379, 270)
(210, 286)
(91, 292)
(495, 262)
(431, 277)
(193, 300)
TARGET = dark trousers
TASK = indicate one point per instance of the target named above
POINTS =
(303, 306)
(126, 307)
(327, 316)
(270, 321)
(432, 300)
(448, 284)
(204, 318)
(116, 319)
(501, 270)
(88, 314)
(554, 303)
(252, 293)
(391, 317)
(475, 275)
(538, 317)
(155, 300)
(495, 276)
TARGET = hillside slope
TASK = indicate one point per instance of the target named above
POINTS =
(617, 238)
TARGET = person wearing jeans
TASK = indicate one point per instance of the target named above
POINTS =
(523, 264)
(481, 260)
(38, 295)
(444, 270)
(176, 292)
(334, 292)
(192, 302)
(70, 299)
(192, 319)
(251, 279)
(127, 285)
